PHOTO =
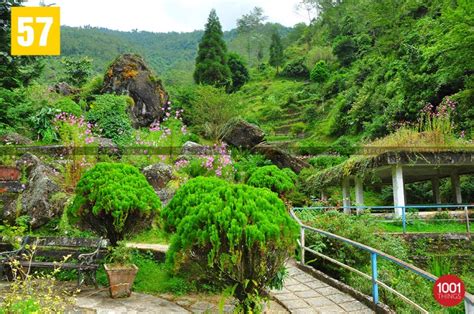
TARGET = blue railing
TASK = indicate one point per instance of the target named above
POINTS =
(466, 208)
(374, 254)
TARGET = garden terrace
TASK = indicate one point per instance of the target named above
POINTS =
(397, 168)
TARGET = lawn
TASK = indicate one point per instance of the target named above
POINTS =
(424, 226)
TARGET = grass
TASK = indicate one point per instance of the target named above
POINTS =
(154, 277)
(424, 226)
(153, 235)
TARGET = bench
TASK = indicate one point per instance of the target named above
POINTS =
(49, 253)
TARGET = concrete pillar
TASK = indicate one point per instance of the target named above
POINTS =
(359, 193)
(346, 195)
(398, 189)
(435, 188)
(456, 188)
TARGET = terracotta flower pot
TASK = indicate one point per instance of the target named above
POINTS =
(120, 279)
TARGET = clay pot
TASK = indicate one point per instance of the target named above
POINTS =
(120, 279)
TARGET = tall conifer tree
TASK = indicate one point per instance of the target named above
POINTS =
(276, 51)
(211, 62)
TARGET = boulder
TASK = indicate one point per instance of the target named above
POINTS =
(192, 148)
(158, 175)
(129, 75)
(42, 198)
(240, 133)
(281, 158)
(64, 89)
(15, 139)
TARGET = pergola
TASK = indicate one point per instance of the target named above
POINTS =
(397, 169)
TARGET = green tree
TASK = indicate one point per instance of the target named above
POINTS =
(14, 71)
(77, 70)
(211, 62)
(240, 74)
(248, 24)
(276, 51)
(320, 72)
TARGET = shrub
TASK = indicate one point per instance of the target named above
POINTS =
(109, 113)
(296, 69)
(240, 74)
(320, 72)
(210, 110)
(69, 106)
(114, 200)
(235, 235)
(326, 161)
(276, 179)
(187, 197)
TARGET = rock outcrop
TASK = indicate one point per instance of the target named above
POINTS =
(240, 133)
(15, 139)
(281, 158)
(64, 89)
(129, 75)
(158, 175)
(42, 198)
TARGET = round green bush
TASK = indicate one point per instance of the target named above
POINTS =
(114, 200)
(188, 196)
(276, 179)
(320, 72)
(295, 69)
(234, 235)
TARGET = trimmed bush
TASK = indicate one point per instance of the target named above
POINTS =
(234, 235)
(187, 197)
(276, 179)
(114, 200)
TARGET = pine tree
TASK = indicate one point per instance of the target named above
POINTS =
(276, 51)
(211, 62)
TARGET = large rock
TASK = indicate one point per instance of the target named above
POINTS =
(240, 133)
(129, 75)
(158, 175)
(42, 199)
(192, 148)
(281, 158)
(64, 89)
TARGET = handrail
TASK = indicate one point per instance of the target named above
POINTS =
(468, 299)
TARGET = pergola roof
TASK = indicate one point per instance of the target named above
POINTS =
(417, 166)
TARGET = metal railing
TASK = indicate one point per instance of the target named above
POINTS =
(374, 254)
(466, 208)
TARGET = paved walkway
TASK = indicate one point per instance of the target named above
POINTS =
(101, 303)
(302, 293)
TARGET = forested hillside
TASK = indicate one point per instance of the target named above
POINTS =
(374, 65)
(170, 55)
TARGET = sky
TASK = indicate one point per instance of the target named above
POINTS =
(168, 15)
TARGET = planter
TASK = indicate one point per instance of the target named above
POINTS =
(120, 279)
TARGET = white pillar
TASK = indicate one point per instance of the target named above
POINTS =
(435, 188)
(346, 195)
(398, 189)
(359, 193)
(456, 187)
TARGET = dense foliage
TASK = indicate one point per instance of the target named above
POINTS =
(271, 177)
(276, 51)
(114, 199)
(235, 235)
(239, 73)
(211, 61)
(109, 114)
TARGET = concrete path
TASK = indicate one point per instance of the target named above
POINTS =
(101, 303)
(302, 293)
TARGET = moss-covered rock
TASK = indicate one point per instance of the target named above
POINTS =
(129, 75)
